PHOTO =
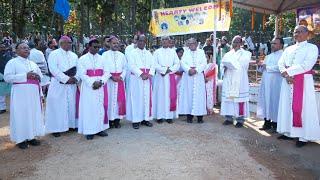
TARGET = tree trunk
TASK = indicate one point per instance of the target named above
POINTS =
(133, 15)
(18, 14)
(82, 19)
(88, 20)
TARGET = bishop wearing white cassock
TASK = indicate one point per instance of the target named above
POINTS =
(116, 64)
(93, 105)
(192, 96)
(235, 85)
(165, 85)
(269, 93)
(139, 95)
(61, 113)
(26, 120)
(298, 116)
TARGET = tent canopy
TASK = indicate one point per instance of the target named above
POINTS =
(274, 6)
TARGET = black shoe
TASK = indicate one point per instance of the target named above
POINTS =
(300, 144)
(117, 123)
(111, 125)
(226, 122)
(135, 125)
(238, 125)
(34, 142)
(170, 121)
(274, 125)
(266, 125)
(283, 137)
(189, 119)
(23, 145)
(56, 134)
(146, 123)
(73, 129)
(3, 111)
(102, 134)
(200, 119)
(159, 121)
(89, 137)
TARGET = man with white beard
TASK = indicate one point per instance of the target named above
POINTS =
(25, 104)
(298, 116)
(115, 63)
(139, 94)
(235, 86)
(93, 106)
(165, 85)
(62, 111)
(192, 97)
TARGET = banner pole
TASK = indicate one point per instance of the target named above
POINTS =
(214, 34)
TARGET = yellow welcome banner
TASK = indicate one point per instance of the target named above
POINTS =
(190, 19)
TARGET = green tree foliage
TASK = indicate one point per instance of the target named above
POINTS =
(122, 17)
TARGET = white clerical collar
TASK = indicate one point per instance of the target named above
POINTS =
(279, 51)
(89, 53)
(302, 43)
(239, 50)
(22, 58)
(64, 50)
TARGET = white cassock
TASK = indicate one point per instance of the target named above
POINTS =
(235, 85)
(138, 94)
(61, 99)
(165, 58)
(115, 63)
(269, 93)
(26, 120)
(295, 60)
(38, 57)
(91, 106)
(127, 52)
(129, 48)
(192, 96)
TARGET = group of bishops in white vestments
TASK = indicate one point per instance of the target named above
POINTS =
(93, 93)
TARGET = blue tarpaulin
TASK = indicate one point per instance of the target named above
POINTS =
(62, 7)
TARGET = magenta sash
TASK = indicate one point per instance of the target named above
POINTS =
(297, 102)
(121, 98)
(35, 82)
(173, 92)
(99, 72)
(241, 109)
(146, 71)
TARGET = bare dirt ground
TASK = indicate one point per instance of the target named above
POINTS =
(165, 151)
